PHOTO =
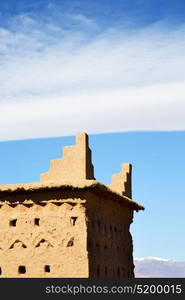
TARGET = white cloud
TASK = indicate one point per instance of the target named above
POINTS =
(56, 82)
(83, 19)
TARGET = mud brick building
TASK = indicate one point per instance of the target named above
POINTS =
(68, 224)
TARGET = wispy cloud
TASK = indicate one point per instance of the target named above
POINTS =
(57, 79)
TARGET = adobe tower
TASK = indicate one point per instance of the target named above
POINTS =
(68, 224)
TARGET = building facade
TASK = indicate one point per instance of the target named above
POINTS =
(68, 224)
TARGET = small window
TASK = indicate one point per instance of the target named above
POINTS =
(0, 271)
(22, 269)
(13, 222)
(47, 269)
(37, 221)
(73, 221)
(70, 243)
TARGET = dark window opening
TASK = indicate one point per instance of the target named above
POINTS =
(118, 272)
(73, 220)
(105, 247)
(0, 271)
(115, 229)
(106, 272)
(37, 221)
(13, 222)
(22, 269)
(70, 242)
(47, 269)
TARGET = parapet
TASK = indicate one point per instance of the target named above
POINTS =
(75, 172)
(122, 182)
(76, 163)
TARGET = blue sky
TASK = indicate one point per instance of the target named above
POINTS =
(115, 69)
(158, 179)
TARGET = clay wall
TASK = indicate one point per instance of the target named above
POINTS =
(109, 239)
(43, 239)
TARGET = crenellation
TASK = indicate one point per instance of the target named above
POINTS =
(122, 182)
(76, 162)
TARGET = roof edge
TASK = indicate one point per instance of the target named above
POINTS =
(66, 185)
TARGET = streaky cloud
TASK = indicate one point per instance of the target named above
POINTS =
(56, 81)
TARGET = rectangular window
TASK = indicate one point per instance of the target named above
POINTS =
(22, 270)
(37, 221)
(73, 221)
(13, 222)
(47, 269)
